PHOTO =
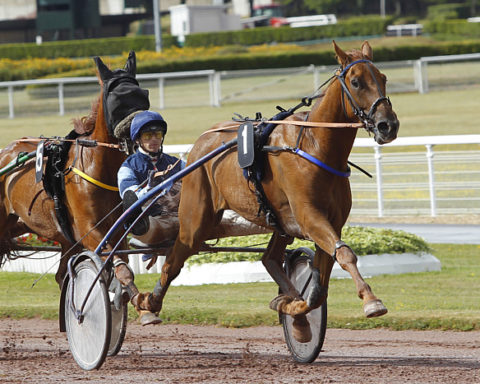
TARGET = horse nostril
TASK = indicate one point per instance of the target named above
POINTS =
(383, 127)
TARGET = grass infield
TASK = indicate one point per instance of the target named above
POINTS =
(435, 300)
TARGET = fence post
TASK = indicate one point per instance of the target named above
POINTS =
(161, 93)
(378, 166)
(11, 112)
(60, 100)
(215, 90)
(431, 180)
(421, 76)
(316, 77)
(218, 90)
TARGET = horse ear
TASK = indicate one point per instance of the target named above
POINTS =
(367, 50)
(342, 58)
(131, 65)
(105, 73)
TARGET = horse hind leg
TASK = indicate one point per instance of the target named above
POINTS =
(67, 252)
(289, 301)
(346, 258)
(11, 228)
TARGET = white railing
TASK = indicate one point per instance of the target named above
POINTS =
(411, 177)
(404, 29)
(212, 76)
(420, 67)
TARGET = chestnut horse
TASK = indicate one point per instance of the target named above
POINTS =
(309, 202)
(26, 207)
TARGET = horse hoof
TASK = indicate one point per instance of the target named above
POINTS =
(301, 329)
(374, 308)
(278, 302)
(148, 318)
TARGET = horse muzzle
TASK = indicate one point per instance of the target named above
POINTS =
(386, 130)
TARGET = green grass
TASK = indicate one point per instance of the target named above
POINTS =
(435, 300)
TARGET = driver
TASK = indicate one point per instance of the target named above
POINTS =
(147, 131)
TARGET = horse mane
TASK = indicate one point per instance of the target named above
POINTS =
(86, 124)
(355, 54)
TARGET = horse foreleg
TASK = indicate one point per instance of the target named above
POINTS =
(125, 276)
(151, 303)
(346, 258)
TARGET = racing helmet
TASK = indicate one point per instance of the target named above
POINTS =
(147, 121)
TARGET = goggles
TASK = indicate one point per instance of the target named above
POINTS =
(150, 135)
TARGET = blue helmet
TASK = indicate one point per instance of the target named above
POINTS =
(148, 120)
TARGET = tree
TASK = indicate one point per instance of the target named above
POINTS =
(295, 7)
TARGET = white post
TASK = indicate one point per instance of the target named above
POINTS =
(11, 112)
(431, 180)
(60, 100)
(421, 76)
(161, 93)
(215, 90)
(378, 167)
(316, 78)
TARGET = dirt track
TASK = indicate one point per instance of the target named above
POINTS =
(33, 351)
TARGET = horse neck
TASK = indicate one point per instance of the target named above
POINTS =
(331, 144)
(102, 159)
(100, 133)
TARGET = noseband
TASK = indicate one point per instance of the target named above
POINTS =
(366, 118)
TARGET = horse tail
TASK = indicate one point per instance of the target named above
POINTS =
(6, 251)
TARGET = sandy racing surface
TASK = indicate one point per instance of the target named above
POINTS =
(33, 351)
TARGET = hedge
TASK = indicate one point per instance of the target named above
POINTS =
(454, 27)
(363, 241)
(442, 12)
(359, 26)
(82, 48)
(230, 61)
(304, 58)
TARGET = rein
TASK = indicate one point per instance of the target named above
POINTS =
(309, 124)
(83, 142)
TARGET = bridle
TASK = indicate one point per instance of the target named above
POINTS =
(366, 118)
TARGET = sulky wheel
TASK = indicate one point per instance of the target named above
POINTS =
(299, 272)
(119, 317)
(89, 336)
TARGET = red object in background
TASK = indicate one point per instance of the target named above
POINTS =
(278, 21)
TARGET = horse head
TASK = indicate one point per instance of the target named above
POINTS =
(122, 94)
(363, 85)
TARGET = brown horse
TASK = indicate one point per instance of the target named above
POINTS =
(308, 201)
(25, 206)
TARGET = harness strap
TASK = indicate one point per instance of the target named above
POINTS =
(321, 164)
(92, 180)
(312, 159)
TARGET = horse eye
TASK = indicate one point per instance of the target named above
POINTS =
(355, 83)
